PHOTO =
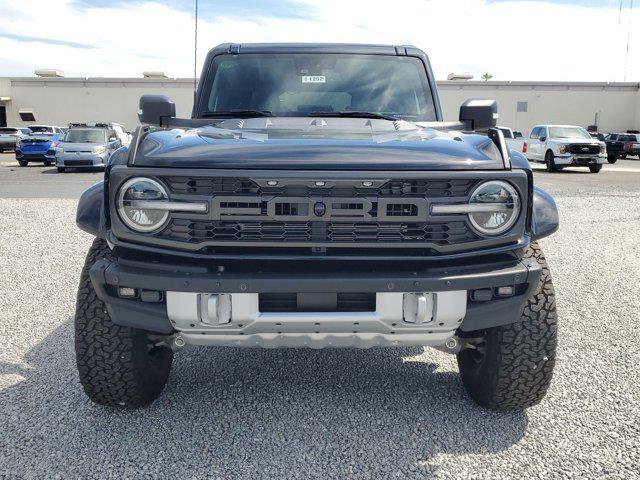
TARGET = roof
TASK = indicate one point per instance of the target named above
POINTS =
(355, 48)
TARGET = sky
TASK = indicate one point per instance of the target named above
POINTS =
(568, 40)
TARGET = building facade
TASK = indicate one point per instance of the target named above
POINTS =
(59, 101)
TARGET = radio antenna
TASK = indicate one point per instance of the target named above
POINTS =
(195, 56)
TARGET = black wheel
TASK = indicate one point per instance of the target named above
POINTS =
(47, 164)
(595, 168)
(623, 156)
(61, 169)
(23, 163)
(512, 365)
(612, 158)
(118, 366)
(550, 161)
(1, 150)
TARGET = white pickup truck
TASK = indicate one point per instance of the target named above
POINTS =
(515, 140)
(560, 146)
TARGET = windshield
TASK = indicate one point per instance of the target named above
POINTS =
(11, 131)
(568, 132)
(39, 129)
(85, 136)
(627, 138)
(301, 84)
(506, 132)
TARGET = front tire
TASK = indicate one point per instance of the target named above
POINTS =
(22, 163)
(612, 158)
(550, 161)
(61, 169)
(118, 366)
(512, 365)
(595, 168)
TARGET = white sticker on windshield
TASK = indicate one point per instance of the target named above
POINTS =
(313, 79)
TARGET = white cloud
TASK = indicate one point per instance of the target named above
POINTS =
(513, 40)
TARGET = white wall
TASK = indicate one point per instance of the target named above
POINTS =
(617, 105)
(59, 101)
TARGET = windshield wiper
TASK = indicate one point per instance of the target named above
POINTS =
(238, 113)
(354, 114)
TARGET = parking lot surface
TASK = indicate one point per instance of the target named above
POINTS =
(379, 413)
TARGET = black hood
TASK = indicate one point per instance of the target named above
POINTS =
(303, 143)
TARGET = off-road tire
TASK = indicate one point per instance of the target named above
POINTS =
(118, 366)
(22, 163)
(550, 161)
(511, 368)
(595, 168)
(612, 158)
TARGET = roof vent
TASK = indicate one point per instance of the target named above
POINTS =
(150, 74)
(49, 73)
(459, 76)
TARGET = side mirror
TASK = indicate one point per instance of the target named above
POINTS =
(155, 108)
(479, 114)
(543, 139)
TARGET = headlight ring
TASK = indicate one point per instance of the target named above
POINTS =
(142, 219)
(498, 207)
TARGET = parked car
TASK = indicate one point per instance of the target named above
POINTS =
(86, 147)
(123, 135)
(301, 207)
(560, 146)
(37, 147)
(10, 135)
(514, 140)
(621, 145)
(46, 129)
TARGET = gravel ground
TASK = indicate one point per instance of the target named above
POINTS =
(380, 413)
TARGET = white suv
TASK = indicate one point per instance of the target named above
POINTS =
(560, 146)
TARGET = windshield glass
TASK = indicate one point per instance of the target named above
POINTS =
(627, 138)
(85, 136)
(38, 129)
(5, 131)
(568, 132)
(300, 84)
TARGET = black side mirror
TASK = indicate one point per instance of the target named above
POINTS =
(479, 114)
(543, 139)
(155, 108)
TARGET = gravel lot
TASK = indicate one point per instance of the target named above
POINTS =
(380, 413)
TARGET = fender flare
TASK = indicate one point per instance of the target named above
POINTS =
(544, 214)
(90, 215)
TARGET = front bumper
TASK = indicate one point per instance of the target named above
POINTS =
(88, 160)
(7, 144)
(580, 160)
(248, 326)
(37, 156)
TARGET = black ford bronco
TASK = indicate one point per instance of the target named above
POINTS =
(316, 198)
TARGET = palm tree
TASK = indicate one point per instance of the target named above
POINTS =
(487, 76)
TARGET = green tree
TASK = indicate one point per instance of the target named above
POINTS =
(487, 76)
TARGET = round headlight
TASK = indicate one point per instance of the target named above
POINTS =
(131, 198)
(497, 206)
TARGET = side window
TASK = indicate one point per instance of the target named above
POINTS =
(543, 132)
(111, 135)
(608, 138)
(535, 133)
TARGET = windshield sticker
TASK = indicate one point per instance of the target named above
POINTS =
(313, 79)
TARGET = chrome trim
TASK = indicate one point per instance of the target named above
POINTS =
(169, 206)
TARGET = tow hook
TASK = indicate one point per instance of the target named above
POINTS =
(455, 345)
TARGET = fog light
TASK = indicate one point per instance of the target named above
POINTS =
(127, 292)
(505, 291)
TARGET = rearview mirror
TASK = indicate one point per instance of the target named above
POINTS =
(479, 114)
(154, 109)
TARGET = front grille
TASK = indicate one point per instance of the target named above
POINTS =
(445, 233)
(578, 149)
(78, 163)
(244, 186)
(343, 302)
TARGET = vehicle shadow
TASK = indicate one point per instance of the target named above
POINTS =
(250, 413)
